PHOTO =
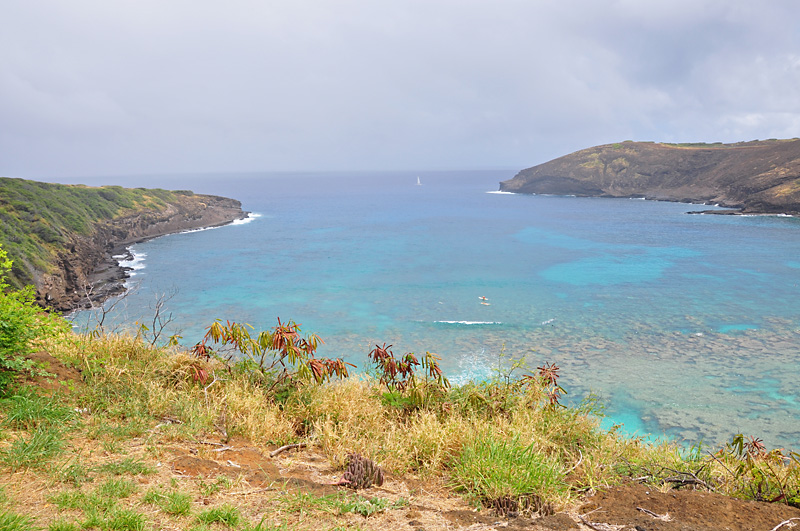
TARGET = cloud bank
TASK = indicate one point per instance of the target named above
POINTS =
(89, 87)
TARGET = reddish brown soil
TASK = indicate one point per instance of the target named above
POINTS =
(60, 376)
(683, 511)
(619, 508)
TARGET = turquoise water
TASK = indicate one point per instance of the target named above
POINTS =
(683, 325)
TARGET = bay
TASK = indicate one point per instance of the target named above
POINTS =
(684, 326)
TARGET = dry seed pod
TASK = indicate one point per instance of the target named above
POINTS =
(362, 473)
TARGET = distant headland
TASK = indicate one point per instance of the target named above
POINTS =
(62, 238)
(757, 177)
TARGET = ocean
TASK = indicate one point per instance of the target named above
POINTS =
(682, 326)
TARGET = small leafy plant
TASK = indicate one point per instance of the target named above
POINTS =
(280, 355)
(405, 389)
(758, 474)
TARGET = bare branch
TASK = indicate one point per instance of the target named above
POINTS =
(785, 522)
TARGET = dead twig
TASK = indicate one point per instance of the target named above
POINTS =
(223, 449)
(686, 478)
(256, 491)
(221, 423)
(663, 517)
(287, 447)
(576, 464)
(785, 522)
(600, 526)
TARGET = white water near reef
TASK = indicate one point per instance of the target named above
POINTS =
(682, 325)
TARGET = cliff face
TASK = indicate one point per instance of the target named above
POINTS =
(85, 269)
(756, 177)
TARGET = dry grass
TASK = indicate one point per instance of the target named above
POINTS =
(161, 407)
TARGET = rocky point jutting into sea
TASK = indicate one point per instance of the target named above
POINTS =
(92, 261)
(64, 238)
(758, 177)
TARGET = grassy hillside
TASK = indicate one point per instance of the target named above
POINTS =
(37, 220)
(757, 177)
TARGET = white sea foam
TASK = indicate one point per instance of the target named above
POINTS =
(766, 215)
(548, 321)
(471, 368)
(470, 322)
(500, 192)
(250, 217)
(135, 261)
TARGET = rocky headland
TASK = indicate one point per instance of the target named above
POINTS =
(87, 271)
(63, 239)
(758, 177)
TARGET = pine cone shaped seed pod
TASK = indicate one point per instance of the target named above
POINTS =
(362, 473)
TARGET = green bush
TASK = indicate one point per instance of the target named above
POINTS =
(21, 322)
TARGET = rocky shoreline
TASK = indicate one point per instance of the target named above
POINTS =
(87, 271)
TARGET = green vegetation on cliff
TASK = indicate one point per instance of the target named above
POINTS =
(756, 177)
(37, 220)
(62, 238)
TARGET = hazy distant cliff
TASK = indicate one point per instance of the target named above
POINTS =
(62, 238)
(756, 177)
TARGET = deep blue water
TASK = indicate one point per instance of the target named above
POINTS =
(684, 325)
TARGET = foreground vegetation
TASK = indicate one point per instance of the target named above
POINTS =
(95, 452)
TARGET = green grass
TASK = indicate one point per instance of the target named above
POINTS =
(209, 489)
(35, 450)
(63, 525)
(368, 506)
(129, 465)
(500, 443)
(10, 521)
(26, 410)
(75, 473)
(125, 520)
(507, 472)
(337, 503)
(100, 507)
(174, 503)
(224, 514)
(117, 488)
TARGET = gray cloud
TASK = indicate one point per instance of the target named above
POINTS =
(146, 86)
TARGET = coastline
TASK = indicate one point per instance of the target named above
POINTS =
(724, 209)
(109, 276)
(88, 272)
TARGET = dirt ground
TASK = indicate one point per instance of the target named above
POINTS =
(632, 507)
(428, 504)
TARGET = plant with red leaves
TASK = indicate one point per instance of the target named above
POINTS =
(282, 354)
(548, 378)
(399, 375)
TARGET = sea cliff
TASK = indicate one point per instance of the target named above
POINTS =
(753, 177)
(62, 238)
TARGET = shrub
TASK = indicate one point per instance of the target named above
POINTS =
(21, 322)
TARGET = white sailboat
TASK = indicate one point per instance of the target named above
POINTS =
(418, 181)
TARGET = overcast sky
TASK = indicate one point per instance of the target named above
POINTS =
(115, 87)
